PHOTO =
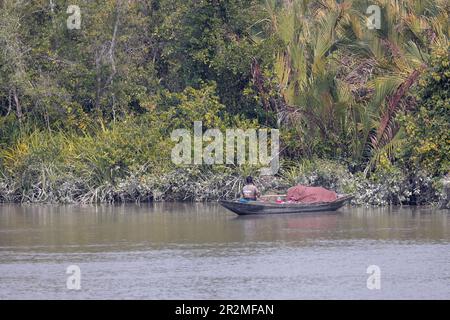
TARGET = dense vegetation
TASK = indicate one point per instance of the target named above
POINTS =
(86, 114)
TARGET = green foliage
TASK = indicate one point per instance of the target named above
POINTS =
(180, 110)
(389, 185)
(86, 115)
(206, 41)
(341, 86)
(428, 128)
(107, 156)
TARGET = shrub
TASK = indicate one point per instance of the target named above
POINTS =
(427, 128)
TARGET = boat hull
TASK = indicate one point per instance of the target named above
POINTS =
(256, 207)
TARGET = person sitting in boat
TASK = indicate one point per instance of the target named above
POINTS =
(250, 192)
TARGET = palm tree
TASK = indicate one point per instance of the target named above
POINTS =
(401, 51)
(314, 98)
(342, 83)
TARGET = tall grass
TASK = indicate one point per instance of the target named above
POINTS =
(57, 166)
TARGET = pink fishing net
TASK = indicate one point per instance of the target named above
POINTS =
(305, 194)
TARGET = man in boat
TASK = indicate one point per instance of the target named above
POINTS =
(250, 192)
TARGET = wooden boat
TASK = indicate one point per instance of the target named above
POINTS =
(260, 207)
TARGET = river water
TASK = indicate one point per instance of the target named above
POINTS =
(202, 251)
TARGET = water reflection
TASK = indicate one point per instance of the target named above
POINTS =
(85, 227)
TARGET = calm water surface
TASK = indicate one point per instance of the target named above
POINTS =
(202, 251)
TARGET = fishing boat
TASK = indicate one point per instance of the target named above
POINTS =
(261, 207)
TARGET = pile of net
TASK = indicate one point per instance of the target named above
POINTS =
(303, 194)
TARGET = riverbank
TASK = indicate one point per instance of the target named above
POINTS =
(390, 186)
(81, 123)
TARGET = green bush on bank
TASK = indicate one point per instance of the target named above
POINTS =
(428, 127)
(59, 167)
(47, 181)
(87, 118)
(128, 160)
(386, 186)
